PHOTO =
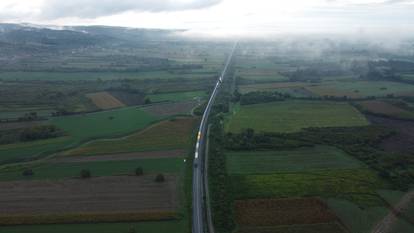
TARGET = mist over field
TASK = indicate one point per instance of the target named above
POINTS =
(196, 116)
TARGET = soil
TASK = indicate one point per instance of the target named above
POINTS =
(95, 195)
(277, 212)
(403, 140)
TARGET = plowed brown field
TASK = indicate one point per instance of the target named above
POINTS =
(92, 200)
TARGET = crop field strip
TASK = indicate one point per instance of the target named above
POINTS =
(166, 135)
(178, 96)
(63, 170)
(270, 213)
(357, 185)
(105, 100)
(71, 200)
(170, 226)
(385, 109)
(121, 156)
(339, 88)
(358, 89)
(292, 116)
(298, 160)
(270, 86)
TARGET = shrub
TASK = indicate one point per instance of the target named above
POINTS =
(159, 178)
(139, 171)
(85, 174)
(28, 172)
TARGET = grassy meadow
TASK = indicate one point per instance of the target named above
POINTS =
(292, 116)
(302, 159)
(79, 129)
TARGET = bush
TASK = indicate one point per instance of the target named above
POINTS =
(159, 178)
(85, 174)
(139, 171)
(147, 101)
(28, 172)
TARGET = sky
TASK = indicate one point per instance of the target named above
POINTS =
(223, 17)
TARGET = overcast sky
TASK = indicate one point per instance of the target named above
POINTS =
(222, 17)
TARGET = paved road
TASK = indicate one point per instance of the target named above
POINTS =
(198, 181)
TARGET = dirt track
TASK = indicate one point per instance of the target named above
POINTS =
(121, 157)
(387, 223)
(96, 195)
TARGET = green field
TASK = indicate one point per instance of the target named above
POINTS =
(292, 116)
(356, 185)
(394, 197)
(178, 96)
(178, 226)
(81, 128)
(104, 124)
(260, 75)
(166, 135)
(98, 168)
(304, 159)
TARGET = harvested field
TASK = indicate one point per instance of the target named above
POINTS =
(167, 135)
(92, 200)
(170, 109)
(403, 140)
(104, 100)
(385, 109)
(121, 157)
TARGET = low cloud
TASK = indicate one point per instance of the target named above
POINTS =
(54, 9)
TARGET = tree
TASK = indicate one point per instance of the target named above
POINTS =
(139, 171)
(85, 174)
(159, 178)
(147, 101)
(28, 172)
